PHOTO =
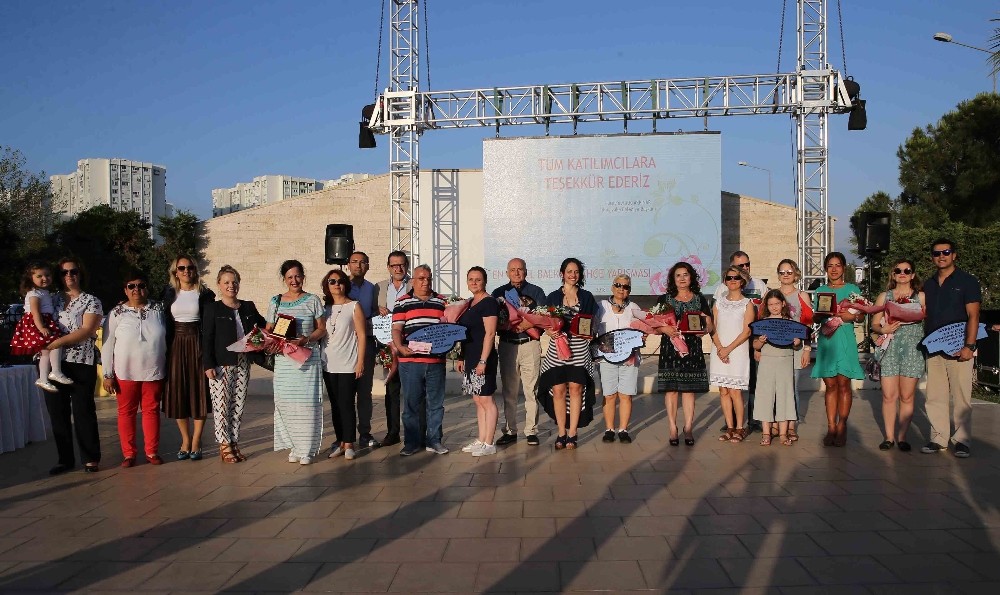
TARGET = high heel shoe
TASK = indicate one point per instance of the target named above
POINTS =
(560, 442)
(674, 441)
(689, 437)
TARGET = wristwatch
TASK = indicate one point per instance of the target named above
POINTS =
(971, 347)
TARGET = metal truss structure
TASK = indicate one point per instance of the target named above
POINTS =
(807, 95)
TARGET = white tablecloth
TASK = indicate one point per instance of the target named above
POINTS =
(22, 408)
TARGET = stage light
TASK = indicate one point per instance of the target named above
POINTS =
(366, 138)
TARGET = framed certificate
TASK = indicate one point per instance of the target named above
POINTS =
(284, 326)
(694, 323)
(582, 325)
(825, 303)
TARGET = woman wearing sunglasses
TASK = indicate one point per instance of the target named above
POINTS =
(901, 360)
(729, 366)
(618, 381)
(185, 395)
(837, 355)
(134, 356)
(800, 307)
(345, 339)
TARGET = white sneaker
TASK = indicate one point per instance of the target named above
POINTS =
(60, 378)
(349, 454)
(305, 461)
(485, 449)
(472, 446)
(46, 386)
(336, 452)
(292, 458)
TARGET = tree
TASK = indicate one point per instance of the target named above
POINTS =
(951, 170)
(25, 217)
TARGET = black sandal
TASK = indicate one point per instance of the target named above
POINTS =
(689, 437)
(887, 445)
(571, 442)
(561, 442)
(674, 441)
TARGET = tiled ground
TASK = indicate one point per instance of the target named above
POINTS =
(642, 517)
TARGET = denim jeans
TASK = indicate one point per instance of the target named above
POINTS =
(423, 386)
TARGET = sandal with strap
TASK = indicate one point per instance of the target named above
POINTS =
(227, 454)
(792, 435)
(239, 454)
(571, 442)
(560, 442)
(727, 435)
(739, 435)
(765, 440)
(785, 440)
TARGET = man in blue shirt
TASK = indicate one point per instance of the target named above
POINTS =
(952, 295)
(366, 294)
(520, 358)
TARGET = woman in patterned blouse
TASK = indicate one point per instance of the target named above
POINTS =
(80, 315)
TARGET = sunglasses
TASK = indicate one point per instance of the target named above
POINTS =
(745, 265)
(183, 268)
(945, 252)
(622, 286)
(338, 282)
(899, 271)
(733, 278)
(68, 272)
(786, 272)
(135, 286)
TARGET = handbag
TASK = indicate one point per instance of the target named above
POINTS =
(873, 368)
(263, 359)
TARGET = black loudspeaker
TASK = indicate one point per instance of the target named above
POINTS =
(876, 232)
(366, 138)
(339, 243)
(858, 119)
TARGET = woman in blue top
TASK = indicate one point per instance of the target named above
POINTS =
(837, 355)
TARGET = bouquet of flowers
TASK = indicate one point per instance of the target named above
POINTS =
(854, 304)
(454, 309)
(261, 340)
(511, 315)
(904, 311)
(654, 321)
(551, 318)
(386, 357)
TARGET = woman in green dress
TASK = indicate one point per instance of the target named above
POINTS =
(837, 356)
(901, 360)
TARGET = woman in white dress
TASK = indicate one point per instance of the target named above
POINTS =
(729, 367)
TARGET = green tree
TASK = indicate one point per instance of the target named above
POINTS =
(951, 170)
(25, 217)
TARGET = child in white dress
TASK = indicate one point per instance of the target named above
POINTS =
(38, 328)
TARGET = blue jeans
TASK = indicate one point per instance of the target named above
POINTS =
(423, 385)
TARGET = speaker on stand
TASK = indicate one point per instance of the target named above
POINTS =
(339, 243)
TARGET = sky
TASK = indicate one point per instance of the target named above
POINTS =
(221, 91)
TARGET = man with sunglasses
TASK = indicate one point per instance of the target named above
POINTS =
(520, 358)
(366, 294)
(755, 290)
(952, 295)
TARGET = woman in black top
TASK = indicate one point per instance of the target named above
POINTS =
(480, 361)
(228, 372)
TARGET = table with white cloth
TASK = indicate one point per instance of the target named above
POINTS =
(22, 408)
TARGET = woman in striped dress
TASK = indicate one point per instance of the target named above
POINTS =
(298, 392)
(573, 379)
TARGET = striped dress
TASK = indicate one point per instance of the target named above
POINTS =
(298, 392)
(579, 368)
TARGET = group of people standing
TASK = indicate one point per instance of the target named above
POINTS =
(171, 355)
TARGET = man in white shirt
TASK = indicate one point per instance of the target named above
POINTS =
(388, 291)
(754, 290)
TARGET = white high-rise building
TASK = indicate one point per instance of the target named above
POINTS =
(263, 190)
(121, 184)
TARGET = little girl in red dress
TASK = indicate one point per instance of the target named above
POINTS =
(37, 328)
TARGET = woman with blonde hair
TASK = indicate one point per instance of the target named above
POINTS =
(800, 307)
(227, 321)
(185, 395)
(901, 360)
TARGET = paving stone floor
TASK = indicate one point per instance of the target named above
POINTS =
(716, 517)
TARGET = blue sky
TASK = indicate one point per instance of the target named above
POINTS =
(222, 91)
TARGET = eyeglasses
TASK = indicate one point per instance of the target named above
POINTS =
(624, 286)
(139, 286)
(745, 265)
(181, 268)
(364, 262)
(733, 278)
(945, 252)
(343, 282)
(397, 266)
(899, 271)
(786, 272)
(68, 272)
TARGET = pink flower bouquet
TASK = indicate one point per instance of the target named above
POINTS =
(454, 309)
(261, 340)
(551, 318)
(655, 322)
(514, 317)
(386, 356)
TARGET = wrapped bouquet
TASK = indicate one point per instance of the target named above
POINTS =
(454, 309)
(551, 318)
(656, 320)
(261, 340)
(386, 357)
(511, 315)
(854, 304)
(904, 311)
